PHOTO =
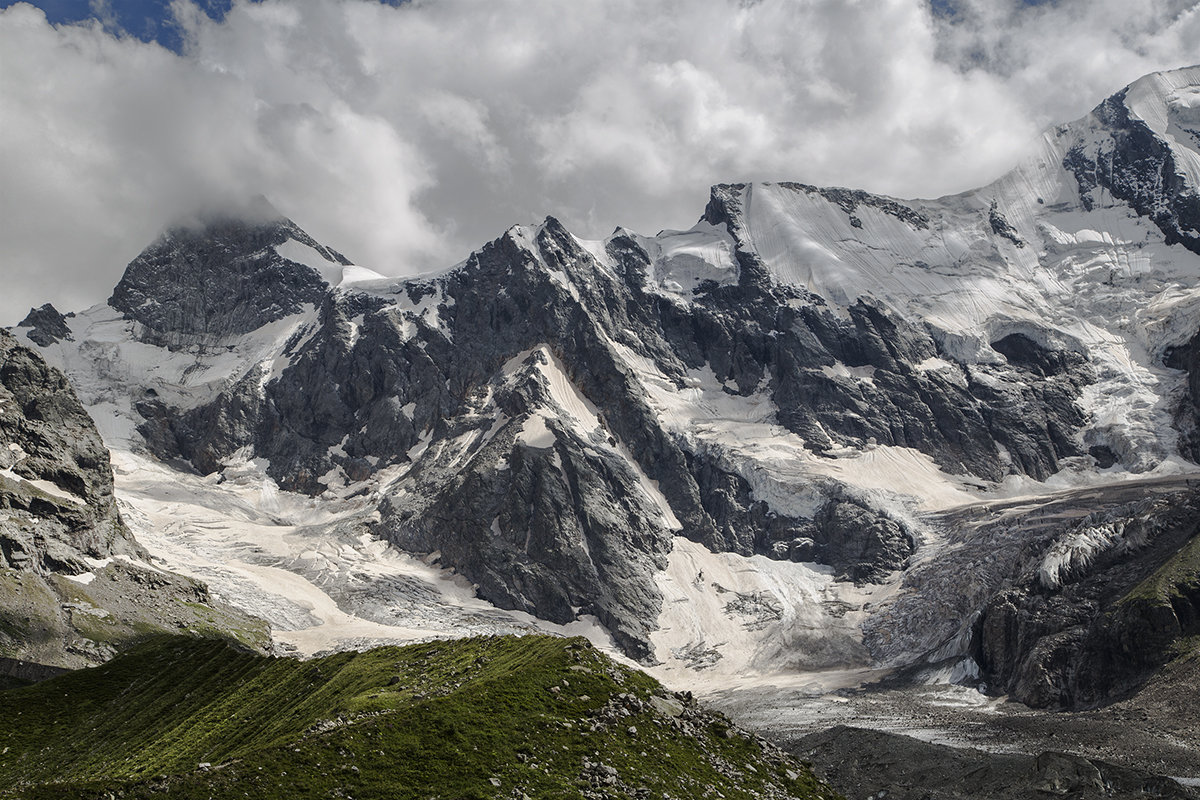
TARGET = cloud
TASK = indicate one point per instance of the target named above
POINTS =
(406, 136)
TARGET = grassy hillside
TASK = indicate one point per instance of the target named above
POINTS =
(1173, 580)
(499, 717)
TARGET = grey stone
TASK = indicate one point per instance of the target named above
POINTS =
(219, 277)
(46, 325)
(1092, 638)
(47, 436)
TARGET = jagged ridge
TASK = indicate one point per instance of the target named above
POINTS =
(737, 384)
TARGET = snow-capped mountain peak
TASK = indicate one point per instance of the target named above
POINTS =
(798, 385)
(224, 275)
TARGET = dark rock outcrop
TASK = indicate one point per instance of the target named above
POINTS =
(1002, 227)
(758, 329)
(1138, 167)
(850, 199)
(1186, 357)
(860, 543)
(57, 486)
(46, 325)
(553, 526)
(1098, 607)
(219, 278)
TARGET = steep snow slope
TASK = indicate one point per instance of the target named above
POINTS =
(1027, 255)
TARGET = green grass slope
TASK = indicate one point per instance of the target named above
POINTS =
(1164, 609)
(498, 717)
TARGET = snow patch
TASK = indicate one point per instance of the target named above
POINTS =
(840, 370)
(535, 433)
(305, 255)
(728, 617)
(934, 363)
(354, 274)
(45, 487)
(682, 261)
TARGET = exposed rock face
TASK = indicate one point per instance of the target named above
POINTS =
(961, 419)
(56, 484)
(861, 543)
(220, 278)
(1095, 613)
(206, 434)
(1072, 601)
(1187, 358)
(551, 524)
(1135, 164)
(15, 673)
(46, 325)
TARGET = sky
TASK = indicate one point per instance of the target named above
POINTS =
(406, 135)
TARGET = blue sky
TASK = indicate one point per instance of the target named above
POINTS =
(150, 20)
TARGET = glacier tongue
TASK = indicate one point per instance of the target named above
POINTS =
(309, 567)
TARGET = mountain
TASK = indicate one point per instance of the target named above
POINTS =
(774, 442)
(223, 275)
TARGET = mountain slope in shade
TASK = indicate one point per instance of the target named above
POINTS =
(725, 447)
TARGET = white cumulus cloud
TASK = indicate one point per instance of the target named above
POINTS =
(406, 136)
